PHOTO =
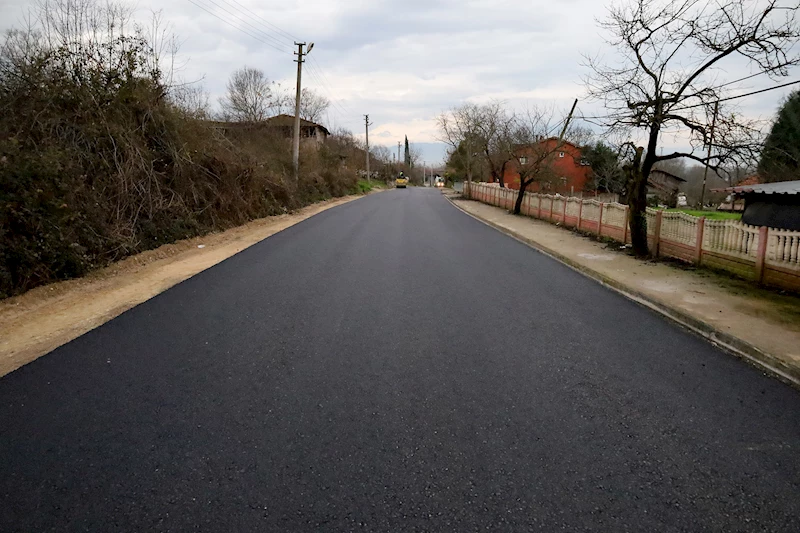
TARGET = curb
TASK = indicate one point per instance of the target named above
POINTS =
(734, 345)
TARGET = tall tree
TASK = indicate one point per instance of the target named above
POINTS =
(248, 97)
(312, 104)
(606, 168)
(407, 155)
(534, 151)
(460, 129)
(666, 79)
(495, 138)
(780, 160)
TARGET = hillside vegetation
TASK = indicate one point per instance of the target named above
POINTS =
(100, 157)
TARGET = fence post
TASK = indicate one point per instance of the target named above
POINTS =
(539, 209)
(625, 225)
(564, 213)
(698, 249)
(657, 233)
(552, 200)
(580, 213)
(600, 221)
(761, 257)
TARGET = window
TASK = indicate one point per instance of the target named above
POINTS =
(584, 162)
(560, 154)
(523, 160)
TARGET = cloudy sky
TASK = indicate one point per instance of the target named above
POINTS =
(402, 62)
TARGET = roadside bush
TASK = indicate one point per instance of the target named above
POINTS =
(364, 186)
(97, 161)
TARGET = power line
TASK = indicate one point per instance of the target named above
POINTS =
(326, 84)
(268, 35)
(204, 8)
(289, 36)
(315, 69)
(741, 79)
(276, 42)
(315, 73)
(321, 71)
(735, 97)
(741, 95)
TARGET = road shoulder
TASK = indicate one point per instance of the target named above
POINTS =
(757, 325)
(39, 321)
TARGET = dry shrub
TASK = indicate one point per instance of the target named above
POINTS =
(97, 162)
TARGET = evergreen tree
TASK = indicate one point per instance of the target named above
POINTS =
(408, 155)
(780, 160)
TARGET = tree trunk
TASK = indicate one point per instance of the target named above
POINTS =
(637, 201)
(637, 196)
(501, 175)
(521, 196)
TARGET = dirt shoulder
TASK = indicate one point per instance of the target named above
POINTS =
(760, 325)
(44, 318)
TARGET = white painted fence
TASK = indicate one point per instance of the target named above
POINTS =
(771, 256)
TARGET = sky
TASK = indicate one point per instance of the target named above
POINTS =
(403, 63)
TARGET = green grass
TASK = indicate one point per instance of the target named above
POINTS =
(711, 215)
(363, 187)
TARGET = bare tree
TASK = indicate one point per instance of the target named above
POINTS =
(668, 80)
(249, 96)
(534, 150)
(313, 105)
(460, 129)
(192, 99)
(495, 138)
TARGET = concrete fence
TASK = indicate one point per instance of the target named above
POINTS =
(765, 255)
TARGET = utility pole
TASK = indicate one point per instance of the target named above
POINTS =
(296, 140)
(569, 118)
(708, 157)
(398, 152)
(367, 124)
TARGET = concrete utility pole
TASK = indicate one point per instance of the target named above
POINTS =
(367, 124)
(296, 140)
(708, 157)
(566, 123)
(398, 152)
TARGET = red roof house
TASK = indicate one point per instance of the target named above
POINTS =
(571, 171)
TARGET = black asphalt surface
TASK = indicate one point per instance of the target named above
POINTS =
(394, 365)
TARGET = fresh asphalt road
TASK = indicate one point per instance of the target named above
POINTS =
(394, 365)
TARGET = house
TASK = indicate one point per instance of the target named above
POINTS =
(735, 203)
(775, 205)
(663, 186)
(570, 171)
(308, 130)
(282, 125)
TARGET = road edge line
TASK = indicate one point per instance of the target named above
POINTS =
(741, 349)
(53, 341)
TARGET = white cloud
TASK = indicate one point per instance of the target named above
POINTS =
(403, 63)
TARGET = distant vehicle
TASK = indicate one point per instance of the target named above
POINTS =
(439, 182)
(401, 182)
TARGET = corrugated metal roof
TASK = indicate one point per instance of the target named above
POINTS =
(782, 187)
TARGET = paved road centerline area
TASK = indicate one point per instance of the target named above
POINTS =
(394, 365)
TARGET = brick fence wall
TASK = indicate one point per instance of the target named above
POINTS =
(765, 255)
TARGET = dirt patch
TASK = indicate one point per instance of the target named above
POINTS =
(44, 318)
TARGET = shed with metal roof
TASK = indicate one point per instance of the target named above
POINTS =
(775, 205)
